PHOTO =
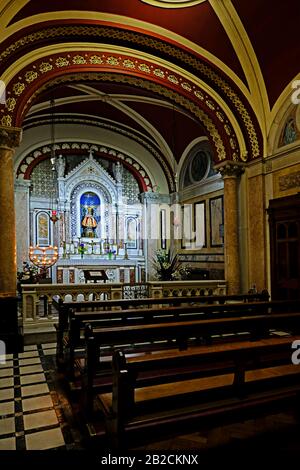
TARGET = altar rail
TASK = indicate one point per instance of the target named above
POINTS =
(32, 294)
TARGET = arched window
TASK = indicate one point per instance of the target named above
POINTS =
(43, 232)
(198, 166)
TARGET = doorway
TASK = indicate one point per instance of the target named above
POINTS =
(284, 223)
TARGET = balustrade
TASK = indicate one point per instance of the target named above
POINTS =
(32, 294)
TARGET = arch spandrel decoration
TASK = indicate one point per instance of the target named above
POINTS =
(30, 81)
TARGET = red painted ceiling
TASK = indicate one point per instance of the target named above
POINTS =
(177, 129)
(199, 24)
(169, 122)
(99, 109)
(273, 28)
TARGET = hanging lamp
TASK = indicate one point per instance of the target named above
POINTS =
(53, 216)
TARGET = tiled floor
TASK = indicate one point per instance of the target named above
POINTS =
(32, 415)
(36, 414)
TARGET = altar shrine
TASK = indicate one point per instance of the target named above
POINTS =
(93, 214)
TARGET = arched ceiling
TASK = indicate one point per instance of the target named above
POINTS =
(113, 105)
(236, 57)
(272, 31)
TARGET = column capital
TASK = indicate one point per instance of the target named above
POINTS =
(230, 169)
(10, 137)
(22, 185)
(150, 197)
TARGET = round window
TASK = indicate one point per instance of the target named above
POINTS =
(199, 166)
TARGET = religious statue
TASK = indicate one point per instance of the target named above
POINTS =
(118, 172)
(89, 223)
(61, 165)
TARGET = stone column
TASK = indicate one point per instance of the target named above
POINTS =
(150, 203)
(257, 231)
(9, 139)
(230, 172)
(22, 220)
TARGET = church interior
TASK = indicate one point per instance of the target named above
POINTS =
(150, 214)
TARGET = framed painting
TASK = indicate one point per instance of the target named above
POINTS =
(216, 217)
(131, 231)
(188, 235)
(200, 224)
(43, 232)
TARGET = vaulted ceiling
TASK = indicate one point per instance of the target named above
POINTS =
(236, 57)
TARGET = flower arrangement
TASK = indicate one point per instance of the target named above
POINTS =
(110, 253)
(81, 249)
(168, 267)
(28, 273)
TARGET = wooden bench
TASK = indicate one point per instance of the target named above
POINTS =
(179, 333)
(65, 308)
(236, 382)
(79, 320)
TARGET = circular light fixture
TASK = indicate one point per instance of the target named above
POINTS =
(173, 3)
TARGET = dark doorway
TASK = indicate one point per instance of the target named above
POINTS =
(284, 221)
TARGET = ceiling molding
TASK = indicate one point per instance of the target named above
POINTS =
(69, 56)
(173, 3)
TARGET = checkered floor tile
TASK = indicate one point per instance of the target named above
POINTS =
(32, 415)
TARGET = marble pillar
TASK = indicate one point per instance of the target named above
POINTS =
(9, 139)
(230, 172)
(22, 220)
(256, 233)
(150, 203)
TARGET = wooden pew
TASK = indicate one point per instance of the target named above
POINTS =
(227, 389)
(179, 332)
(64, 308)
(171, 314)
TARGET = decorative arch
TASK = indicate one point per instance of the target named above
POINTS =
(198, 63)
(39, 154)
(130, 134)
(75, 66)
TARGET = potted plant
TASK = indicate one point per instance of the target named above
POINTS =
(81, 249)
(168, 266)
(28, 275)
(110, 253)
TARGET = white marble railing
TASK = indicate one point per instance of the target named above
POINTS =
(187, 288)
(34, 294)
